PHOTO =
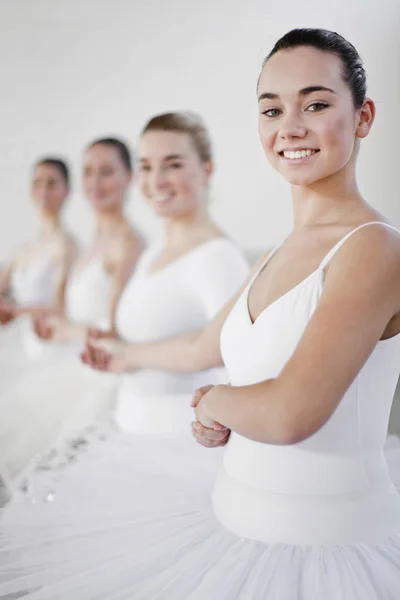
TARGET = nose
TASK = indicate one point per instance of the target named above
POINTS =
(92, 182)
(292, 126)
(159, 180)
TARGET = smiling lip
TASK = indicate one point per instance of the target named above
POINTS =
(296, 156)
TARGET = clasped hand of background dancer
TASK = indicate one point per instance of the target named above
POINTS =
(105, 352)
(54, 327)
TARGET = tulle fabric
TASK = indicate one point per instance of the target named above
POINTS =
(13, 354)
(130, 518)
(47, 402)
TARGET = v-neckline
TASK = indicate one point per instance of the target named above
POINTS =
(320, 267)
(150, 273)
(277, 300)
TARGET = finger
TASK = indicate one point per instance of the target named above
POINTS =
(219, 427)
(104, 360)
(91, 354)
(196, 399)
(209, 434)
(209, 443)
(97, 362)
(91, 350)
(199, 393)
(204, 442)
(46, 333)
(36, 324)
(85, 357)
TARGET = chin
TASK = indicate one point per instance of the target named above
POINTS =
(301, 177)
(165, 212)
(301, 181)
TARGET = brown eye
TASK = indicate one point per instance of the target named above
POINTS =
(317, 106)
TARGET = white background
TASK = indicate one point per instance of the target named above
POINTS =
(74, 70)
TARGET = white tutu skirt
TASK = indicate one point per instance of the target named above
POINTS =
(18, 348)
(46, 401)
(131, 519)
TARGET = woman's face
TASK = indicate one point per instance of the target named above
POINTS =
(49, 189)
(308, 124)
(105, 178)
(172, 177)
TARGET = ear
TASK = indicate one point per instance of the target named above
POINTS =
(208, 168)
(366, 118)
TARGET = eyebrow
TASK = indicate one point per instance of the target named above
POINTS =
(303, 92)
(169, 157)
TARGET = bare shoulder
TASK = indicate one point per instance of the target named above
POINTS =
(65, 245)
(369, 249)
(22, 254)
(127, 246)
(367, 268)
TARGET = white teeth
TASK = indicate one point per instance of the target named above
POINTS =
(292, 154)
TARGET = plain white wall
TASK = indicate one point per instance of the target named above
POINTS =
(74, 70)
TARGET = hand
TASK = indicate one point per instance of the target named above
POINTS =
(99, 334)
(106, 355)
(7, 313)
(210, 437)
(51, 328)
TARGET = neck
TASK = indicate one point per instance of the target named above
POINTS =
(188, 227)
(108, 223)
(49, 224)
(329, 201)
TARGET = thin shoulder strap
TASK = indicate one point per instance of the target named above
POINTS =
(264, 263)
(340, 243)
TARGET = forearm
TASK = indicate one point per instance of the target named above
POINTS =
(34, 311)
(179, 354)
(253, 411)
(76, 332)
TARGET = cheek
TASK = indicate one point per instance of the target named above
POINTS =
(86, 185)
(267, 133)
(144, 186)
(111, 187)
(338, 134)
(182, 181)
(110, 183)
